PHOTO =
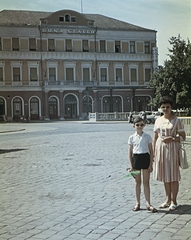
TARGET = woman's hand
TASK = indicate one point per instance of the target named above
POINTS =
(150, 169)
(167, 140)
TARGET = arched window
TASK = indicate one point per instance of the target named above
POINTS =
(34, 108)
(2, 106)
(67, 18)
(70, 103)
(53, 108)
(17, 108)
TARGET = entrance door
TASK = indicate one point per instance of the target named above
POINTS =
(34, 109)
(70, 103)
(17, 108)
(53, 108)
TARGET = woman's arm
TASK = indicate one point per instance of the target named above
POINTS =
(150, 169)
(154, 141)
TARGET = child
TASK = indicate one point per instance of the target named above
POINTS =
(141, 158)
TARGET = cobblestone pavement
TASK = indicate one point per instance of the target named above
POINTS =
(66, 181)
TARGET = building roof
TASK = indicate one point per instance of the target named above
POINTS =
(22, 17)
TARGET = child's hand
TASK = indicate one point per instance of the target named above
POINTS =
(130, 169)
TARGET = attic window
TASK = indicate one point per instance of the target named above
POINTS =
(61, 19)
(67, 18)
(73, 19)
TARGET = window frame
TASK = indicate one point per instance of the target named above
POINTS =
(132, 47)
(2, 65)
(15, 64)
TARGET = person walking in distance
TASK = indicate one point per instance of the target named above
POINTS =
(141, 158)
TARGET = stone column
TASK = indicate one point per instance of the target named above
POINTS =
(80, 104)
(95, 108)
(61, 107)
(46, 107)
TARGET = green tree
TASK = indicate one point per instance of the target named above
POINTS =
(174, 78)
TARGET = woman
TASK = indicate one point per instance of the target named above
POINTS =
(168, 132)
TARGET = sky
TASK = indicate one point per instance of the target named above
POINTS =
(169, 18)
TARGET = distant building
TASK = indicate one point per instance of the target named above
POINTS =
(65, 64)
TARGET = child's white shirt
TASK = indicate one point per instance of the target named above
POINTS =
(140, 143)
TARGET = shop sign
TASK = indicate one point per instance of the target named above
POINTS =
(69, 31)
(81, 31)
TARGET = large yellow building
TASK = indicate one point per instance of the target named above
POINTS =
(64, 64)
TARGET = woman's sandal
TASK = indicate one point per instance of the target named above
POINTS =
(136, 207)
(152, 209)
(172, 207)
(164, 205)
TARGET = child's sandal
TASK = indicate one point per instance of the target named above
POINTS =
(136, 207)
(152, 209)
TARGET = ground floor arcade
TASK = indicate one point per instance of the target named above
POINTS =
(72, 105)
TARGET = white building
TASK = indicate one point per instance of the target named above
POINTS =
(64, 64)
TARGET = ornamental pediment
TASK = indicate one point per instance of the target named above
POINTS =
(66, 18)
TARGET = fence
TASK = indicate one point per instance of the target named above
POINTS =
(123, 116)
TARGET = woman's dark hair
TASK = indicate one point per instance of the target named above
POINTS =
(165, 100)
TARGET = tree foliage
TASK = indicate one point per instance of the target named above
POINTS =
(174, 78)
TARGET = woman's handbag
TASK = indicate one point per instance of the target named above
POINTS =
(182, 151)
(183, 157)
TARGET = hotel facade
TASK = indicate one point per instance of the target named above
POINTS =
(64, 65)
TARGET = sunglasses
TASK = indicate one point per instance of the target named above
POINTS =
(163, 107)
(140, 125)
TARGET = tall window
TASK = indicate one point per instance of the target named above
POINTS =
(16, 74)
(52, 74)
(147, 47)
(32, 44)
(1, 74)
(15, 44)
(133, 75)
(147, 74)
(103, 72)
(117, 46)
(51, 45)
(68, 45)
(0, 44)
(69, 74)
(86, 74)
(85, 46)
(118, 74)
(102, 45)
(132, 46)
(33, 74)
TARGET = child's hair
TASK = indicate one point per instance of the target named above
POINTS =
(138, 119)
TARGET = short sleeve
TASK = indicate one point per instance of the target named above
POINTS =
(157, 125)
(130, 140)
(180, 126)
(149, 138)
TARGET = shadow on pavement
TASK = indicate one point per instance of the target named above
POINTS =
(181, 209)
(2, 151)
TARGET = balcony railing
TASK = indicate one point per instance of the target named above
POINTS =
(70, 83)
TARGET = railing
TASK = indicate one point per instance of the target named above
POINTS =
(187, 125)
(123, 116)
(116, 116)
(70, 83)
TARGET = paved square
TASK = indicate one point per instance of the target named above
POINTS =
(65, 180)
